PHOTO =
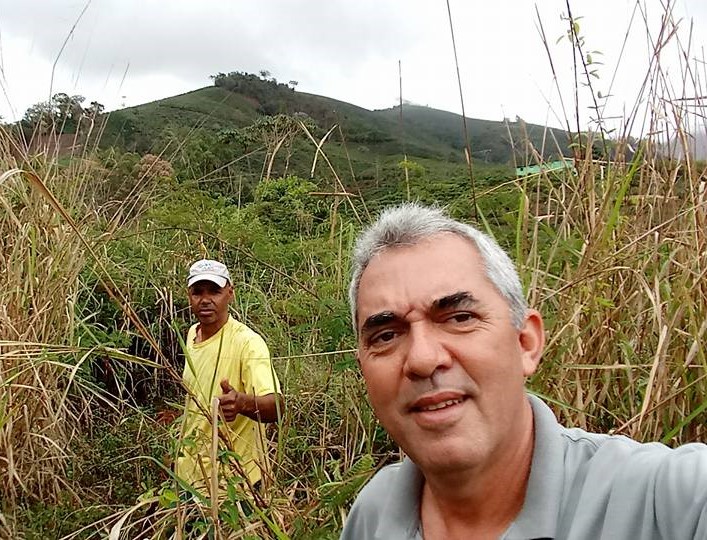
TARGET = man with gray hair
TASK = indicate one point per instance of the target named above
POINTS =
(445, 343)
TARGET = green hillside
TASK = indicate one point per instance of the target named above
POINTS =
(237, 100)
(210, 108)
(223, 137)
(490, 141)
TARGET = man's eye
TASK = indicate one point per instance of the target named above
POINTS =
(462, 317)
(383, 337)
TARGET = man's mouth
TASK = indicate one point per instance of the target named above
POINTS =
(442, 405)
(438, 401)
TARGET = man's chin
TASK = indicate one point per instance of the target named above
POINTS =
(445, 457)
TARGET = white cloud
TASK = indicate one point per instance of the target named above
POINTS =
(130, 51)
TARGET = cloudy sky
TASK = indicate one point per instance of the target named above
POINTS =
(126, 52)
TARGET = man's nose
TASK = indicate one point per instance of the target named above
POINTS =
(426, 352)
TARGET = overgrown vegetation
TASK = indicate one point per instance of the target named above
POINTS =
(94, 249)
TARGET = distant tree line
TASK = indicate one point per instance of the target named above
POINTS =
(62, 113)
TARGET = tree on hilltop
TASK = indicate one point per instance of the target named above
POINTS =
(95, 109)
(62, 113)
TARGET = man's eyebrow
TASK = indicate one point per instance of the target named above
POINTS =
(378, 319)
(454, 300)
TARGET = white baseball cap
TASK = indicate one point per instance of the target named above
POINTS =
(208, 270)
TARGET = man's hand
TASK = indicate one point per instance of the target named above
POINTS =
(232, 402)
(258, 408)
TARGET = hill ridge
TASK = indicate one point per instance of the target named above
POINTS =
(427, 132)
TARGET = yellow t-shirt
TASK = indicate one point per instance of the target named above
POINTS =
(240, 355)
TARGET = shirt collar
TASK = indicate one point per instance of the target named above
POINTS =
(402, 509)
(539, 515)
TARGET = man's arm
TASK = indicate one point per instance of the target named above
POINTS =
(259, 408)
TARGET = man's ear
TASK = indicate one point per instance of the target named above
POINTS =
(532, 341)
(358, 359)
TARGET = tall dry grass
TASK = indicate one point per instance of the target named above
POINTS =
(616, 256)
(47, 212)
(40, 261)
(624, 285)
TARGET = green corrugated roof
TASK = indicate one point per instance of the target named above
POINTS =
(544, 167)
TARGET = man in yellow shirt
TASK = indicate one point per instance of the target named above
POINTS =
(227, 360)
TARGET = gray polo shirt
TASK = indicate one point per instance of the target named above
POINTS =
(581, 486)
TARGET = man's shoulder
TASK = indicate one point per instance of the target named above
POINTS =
(586, 485)
(616, 484)
(622, 464)
(241, 332)
(586, 441)
(616, 448)
(582, 447)
(240, 329)
(377, 491)
(389, 500)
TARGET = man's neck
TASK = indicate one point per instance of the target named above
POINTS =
(478, 504)
(206, 331)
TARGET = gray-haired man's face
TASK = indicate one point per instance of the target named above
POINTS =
(444, 365)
